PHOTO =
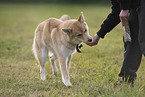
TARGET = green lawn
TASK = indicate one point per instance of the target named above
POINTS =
(93, 73)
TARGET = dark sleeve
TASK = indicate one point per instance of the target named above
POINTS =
(125, 4)
(129, 4)
(111, 21)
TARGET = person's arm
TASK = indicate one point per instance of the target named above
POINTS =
(109, 23)
(125, 5)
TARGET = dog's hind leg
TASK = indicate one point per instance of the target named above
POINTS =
(41, 55)
(52, 59)
(42, 62)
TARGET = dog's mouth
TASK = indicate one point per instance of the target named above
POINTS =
(78, 46)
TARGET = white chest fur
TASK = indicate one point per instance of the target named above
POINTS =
(66, 51)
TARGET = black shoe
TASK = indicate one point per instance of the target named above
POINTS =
(129, 79)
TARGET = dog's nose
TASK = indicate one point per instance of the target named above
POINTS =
(90, 40)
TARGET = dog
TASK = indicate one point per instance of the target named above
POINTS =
(57, 39)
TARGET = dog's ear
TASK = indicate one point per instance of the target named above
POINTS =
(81, 18)
(68, 31)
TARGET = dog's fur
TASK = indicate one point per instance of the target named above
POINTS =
(57, 39)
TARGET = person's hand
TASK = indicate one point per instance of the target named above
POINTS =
(124, 15)
(94, 41)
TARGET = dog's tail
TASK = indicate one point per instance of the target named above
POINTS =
(36, 46)
(65, 17)
(34, 49)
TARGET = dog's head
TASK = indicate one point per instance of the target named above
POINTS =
(78, 31)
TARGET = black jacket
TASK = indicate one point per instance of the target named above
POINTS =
(129, 4)
(111, 21)
(113, 18)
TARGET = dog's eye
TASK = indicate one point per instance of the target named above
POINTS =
(85, 30)
(79, 35)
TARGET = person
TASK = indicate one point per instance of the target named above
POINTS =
(133, 52)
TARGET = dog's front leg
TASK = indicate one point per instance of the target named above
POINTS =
(64, 71)
(68, 62)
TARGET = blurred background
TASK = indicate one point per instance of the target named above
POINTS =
(57, 1)
(93, 73)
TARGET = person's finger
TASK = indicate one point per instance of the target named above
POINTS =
(90, 43)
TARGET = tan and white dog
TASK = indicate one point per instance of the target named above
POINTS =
(57, 38)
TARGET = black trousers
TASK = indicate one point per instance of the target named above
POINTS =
(133, 52)
(141, 17)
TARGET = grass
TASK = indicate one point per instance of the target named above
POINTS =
(93, 73)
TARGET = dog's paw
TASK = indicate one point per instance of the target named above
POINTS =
(43, 77)
(67, 83)
(55, 73)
